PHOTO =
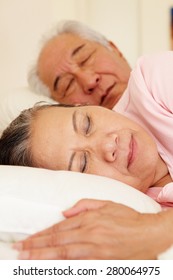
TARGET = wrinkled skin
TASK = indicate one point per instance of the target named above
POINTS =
(80, 71)
(107, 231)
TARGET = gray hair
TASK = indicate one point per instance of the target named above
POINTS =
(15, 142)
(66, 26)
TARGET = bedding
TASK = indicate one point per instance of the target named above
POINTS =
(32, 199)
(13, 101)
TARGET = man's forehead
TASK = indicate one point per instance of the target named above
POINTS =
(64, 38)
(61, 43)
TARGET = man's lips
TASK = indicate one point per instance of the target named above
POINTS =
(106, 94)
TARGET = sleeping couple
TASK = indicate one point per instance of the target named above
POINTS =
(131, 143)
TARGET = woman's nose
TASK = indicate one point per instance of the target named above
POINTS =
(109, 150)
(106, 147)
(88, 81)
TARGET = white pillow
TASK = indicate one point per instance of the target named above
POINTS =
(13, 101)
(32, 199)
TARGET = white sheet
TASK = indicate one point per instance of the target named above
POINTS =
(7, 252)
(6, 245)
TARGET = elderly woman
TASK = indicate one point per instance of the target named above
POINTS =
(96, 140)
(133, 144)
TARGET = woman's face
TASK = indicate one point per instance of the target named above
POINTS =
(94, 140)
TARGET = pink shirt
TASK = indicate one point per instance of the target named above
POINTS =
(148, 100)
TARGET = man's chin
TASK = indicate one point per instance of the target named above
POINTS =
(111, 101)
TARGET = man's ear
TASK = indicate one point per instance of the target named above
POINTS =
(114, 47)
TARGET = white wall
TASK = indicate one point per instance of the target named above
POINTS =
(136, 26)
(21, 24)
(118, 19)
(155, 25)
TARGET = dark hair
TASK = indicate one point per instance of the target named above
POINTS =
(15, 142)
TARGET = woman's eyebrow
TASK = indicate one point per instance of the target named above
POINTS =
(74, 122)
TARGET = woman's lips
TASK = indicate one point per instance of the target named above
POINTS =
(132, 152)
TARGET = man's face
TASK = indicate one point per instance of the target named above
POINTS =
(94, 140)
(79, 71)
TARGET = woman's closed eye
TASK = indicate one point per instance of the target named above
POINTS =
(87, 124)
(83, 162)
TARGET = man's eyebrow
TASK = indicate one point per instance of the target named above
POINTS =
(55, 85)
(75, 129)
(76, 50)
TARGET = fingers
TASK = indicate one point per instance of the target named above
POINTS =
(85, 228)
(69, 231)
(84, 205)
(105, 206)
(41, 238)
(64, 225)
(52, 236)
(68, 252)
(51, 240)
(74, 222)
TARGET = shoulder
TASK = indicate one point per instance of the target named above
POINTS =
(154, 74)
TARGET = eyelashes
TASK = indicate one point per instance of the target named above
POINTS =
(82, 63)
(69, 84)
(88, 124)
(83, 124)
(87, 130)
(84, 162)
(85, 60)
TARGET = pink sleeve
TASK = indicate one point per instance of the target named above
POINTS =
(157, 73)
(163, 196)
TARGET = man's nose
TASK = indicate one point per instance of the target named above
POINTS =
(88, 81)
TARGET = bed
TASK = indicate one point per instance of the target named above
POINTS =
(32, 199)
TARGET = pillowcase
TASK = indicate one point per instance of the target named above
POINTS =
(32, 199)
(13, 101)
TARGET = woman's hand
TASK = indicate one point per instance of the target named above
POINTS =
(100, 230)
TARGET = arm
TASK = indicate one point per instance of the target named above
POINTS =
(107, 231)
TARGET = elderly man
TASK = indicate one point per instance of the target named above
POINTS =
(77, 65)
